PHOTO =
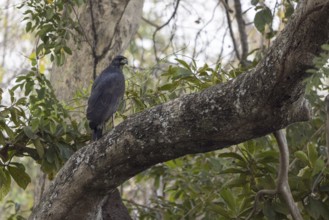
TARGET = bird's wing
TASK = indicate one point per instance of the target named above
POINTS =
(106, 94)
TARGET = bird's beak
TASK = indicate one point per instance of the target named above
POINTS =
(124, 61)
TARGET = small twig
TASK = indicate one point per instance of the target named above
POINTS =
(226, 6)
(95, 39)
(150, 22)
(162, 26)
(82, 29)
(140, 205)
(110, 45)
(258, 196)
(229, 23)
(201, 29)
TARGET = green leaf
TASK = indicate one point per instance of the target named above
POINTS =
(232, 155)
(169, 86)
(47, 167)
(35, 124)
(254, 2)
(262, 18)
(28, 26)
(21, 101)
(13, 113)
(237, 182)
(301, 155)
(60, 58)
(41, 93)
(50, 155)
(29, 86)
(39, 147)
(218, 209)
(232, 170)
(318, 166)
(312, 154)
(268, 210)
(67, 50)
(183, 63)
(65, 151)
(49, 13)
(5, 182)
(267, 156)
(20, 176)
(9, 131)
(29, 133)
(317, 209)
(2, 139)
(228, 197)
(289, 10)
(179, 72)
(20, 78)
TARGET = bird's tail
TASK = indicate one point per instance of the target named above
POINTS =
(97, 133)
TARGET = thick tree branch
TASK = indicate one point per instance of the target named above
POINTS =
(258, 102)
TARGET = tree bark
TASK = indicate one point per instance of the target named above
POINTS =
(258, 102)
(107, 28)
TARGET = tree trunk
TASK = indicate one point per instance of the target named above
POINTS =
(258, 102)
(107, 27)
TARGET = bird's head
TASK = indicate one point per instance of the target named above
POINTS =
(119, 61)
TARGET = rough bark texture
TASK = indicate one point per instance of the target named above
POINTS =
(258, 102)
(107, 28)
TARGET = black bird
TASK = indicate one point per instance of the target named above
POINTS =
(106, 94)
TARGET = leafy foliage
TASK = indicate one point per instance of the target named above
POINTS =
(216, 185)
(143, 91)
(54, 26)
(36, 125)
(223, 184)
(264, 17)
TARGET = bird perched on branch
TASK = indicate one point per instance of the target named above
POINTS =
(106, 94)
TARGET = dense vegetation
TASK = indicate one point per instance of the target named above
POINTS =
(36, 126)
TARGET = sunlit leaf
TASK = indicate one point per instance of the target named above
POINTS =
(318, 166)
(302, 156)
(312, 154)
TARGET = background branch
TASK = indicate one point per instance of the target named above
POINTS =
(242, 31)
(162, 26)
(229, 23)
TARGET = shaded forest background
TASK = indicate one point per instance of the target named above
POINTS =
(180, 48)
